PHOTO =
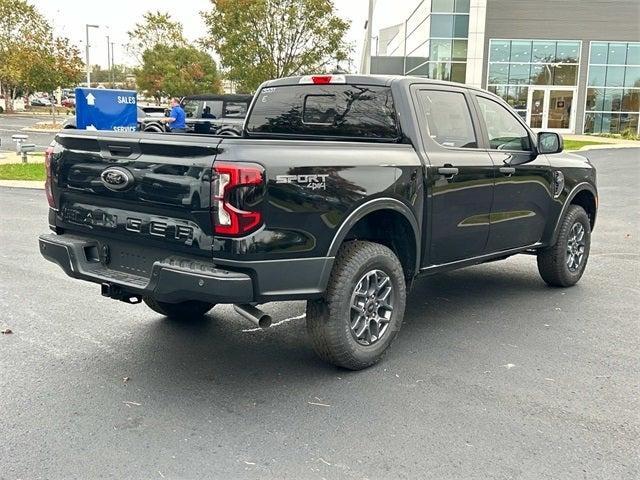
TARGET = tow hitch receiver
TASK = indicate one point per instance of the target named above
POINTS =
(117, 293)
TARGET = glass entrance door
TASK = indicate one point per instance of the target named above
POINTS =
(551, 108)
(537, 106)
(560, 108)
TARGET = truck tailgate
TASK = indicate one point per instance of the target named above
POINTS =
(151, 189)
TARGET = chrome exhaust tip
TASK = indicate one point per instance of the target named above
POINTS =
(253, 314)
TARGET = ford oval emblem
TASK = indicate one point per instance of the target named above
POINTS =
(116, 178)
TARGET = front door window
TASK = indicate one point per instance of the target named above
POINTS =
(550, 108)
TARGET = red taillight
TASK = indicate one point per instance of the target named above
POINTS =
(229, 219)
(48, 153)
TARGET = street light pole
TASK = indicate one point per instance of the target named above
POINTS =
(113, 73)
(365, 62)
(87, 27)
(109, 58)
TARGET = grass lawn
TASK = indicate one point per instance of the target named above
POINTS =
(22, 171)
(578, 144)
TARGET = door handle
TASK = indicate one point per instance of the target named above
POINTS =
(508, 171)
(448, 171)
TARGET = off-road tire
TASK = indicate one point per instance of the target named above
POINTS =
(179, 311)
(329, 318)
(552, 261)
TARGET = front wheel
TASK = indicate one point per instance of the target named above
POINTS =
(179, 311)
(563, 264)
(363, 307)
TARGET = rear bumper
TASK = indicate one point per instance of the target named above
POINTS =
(172, 280)
(175, 279)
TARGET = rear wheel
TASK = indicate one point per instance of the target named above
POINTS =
(563, 264)
(363, 307)
(179, 311)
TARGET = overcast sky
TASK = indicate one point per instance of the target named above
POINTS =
(117, 16)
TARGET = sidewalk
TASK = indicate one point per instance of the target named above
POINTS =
(605, 142)
(35, 184)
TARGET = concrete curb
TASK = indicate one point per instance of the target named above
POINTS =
(28, 114)
(31, 184)
(41, 130)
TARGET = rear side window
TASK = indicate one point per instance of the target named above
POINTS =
(349, 111)
(448, 118)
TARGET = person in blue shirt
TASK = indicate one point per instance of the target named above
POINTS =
(176, 118)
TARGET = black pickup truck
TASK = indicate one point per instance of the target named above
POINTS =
(341, 191)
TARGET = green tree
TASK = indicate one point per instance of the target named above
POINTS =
(63, 63)
(177, 71)
(32, 59)
(22, 30)
(156, 28)
(118, 72)
(262, 39)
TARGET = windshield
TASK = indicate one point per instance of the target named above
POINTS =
(349, 111)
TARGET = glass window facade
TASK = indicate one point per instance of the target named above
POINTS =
(436, 40)
(516, 65)
(613, 88)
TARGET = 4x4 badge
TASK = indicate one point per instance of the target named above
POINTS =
(116, 178)
(312, 181)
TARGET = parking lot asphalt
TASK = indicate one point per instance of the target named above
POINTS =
(493, 376)
(13, 124)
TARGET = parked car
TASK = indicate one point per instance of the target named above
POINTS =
(69, 101)
(40, 102)
(212, 114)
(342, 190)
(147, 121)
(216, 114)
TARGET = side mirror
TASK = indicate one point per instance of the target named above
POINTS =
(549, 143)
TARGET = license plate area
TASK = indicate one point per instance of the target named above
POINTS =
(131, 261)
(127, 257)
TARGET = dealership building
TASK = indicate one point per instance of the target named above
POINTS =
(563, 65)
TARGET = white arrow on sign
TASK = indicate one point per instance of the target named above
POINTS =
(91, 100)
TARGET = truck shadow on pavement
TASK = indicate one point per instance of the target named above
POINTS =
(225, 352)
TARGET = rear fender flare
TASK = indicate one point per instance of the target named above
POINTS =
(370, 207)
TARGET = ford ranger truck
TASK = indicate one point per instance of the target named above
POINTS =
(341, 191)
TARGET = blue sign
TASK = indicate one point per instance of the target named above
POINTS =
(102, 109)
